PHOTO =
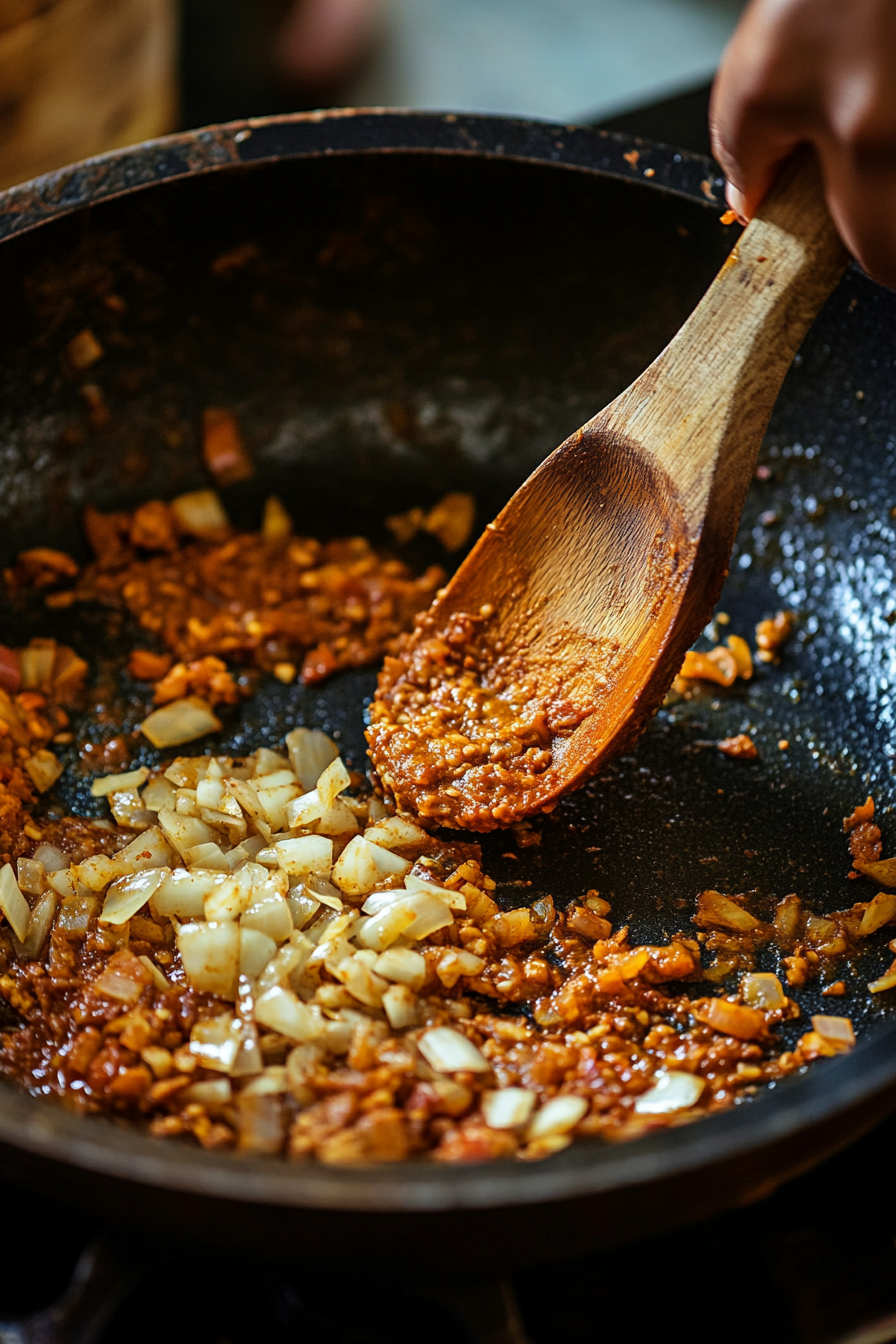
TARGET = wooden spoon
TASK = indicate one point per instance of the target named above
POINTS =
(606, 564)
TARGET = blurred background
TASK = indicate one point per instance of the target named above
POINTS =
(78, 77)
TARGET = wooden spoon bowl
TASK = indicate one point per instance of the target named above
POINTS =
(597, 576)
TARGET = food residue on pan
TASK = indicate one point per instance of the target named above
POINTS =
(258, 953)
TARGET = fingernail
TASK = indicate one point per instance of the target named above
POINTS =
(737, 202)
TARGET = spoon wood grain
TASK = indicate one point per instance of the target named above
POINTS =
(607, 563)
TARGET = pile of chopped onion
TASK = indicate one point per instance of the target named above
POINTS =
(271, 871)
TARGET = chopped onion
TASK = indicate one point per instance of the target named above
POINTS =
(272, 1081)
(401, 1007)
(271, 916)
(39, 925)
(268, 762)
(53, 859)
(672, 1090)
(216, 1042)
(716, 911)
(361, 982)
(75, 914)
(105, 784)
(159, 980)
(184, 833)
(259, 1120)
(227, 900)
(183, 894)
(334, 780)
(403, 965)
(129, 894)
(200, 513)
(207, 856)
(310, 752)
(208, 1092)
(281, 1010)
(361, 866)
(256, 951)
(124, 978)
(455, 900)
(149, 850)
(447, 1051)
(394, 832)
(430, 914)
(305, 854)
(31, 876)
(557, 1116)
(880, 911)
(835, 1031)
(44, 769)
(158, 793)
(274, 801)
(762, 989)
(210, 955)
(508, 1108)
(13, 903)
(290, 961)
(180, 721)
(381, 930)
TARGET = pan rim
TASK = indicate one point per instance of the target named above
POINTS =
(27, 1123)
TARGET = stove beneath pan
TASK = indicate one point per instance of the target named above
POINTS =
(815, 1263)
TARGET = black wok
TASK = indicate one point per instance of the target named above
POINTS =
(433, 303)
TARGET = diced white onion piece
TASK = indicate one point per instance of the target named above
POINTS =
(208, 1092)
(123, 978)
(361, 982)
(97, 871)
(158, 793)
(305, 854)
(403, 965)
(380, 931)
(836, 1031)
(281, 1010)
(75, 913)
(508, 1108)
(131, 779)
(332, 781)
(216, 1042)
(763, 990)
(52, 858)
(430, 914)
(63, 883)
(361, 866)
(447, 1051)
(310, 752)
(183, 893)
(244, 792)
(268, 762)
(259, 1121)
(227, 901)
(200, 513)
(557, 1116)
(302, 907)
(276, 779)
(210, 954)
(180, 721)
(209, 792)
(400, 1004)
(271, 915)
(256, 950)
(13, 903)
(880, 911)
(159, 979)
(455, 900)
(128, 810)
(271, 1083)
(672, 1091)
(289, 962)
(31, 876)
(376, 810)
(207, 856)
(129, 894)
(395, 832)
(274, 801)
(318, 887)
(305, 810)
(185, 833)
(380, 899)
(44, 769)
(39, 923)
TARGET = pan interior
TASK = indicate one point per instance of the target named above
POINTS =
(390, 329)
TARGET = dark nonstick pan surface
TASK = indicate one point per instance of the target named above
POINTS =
(434, 303)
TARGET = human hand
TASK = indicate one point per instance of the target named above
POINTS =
(821, 72)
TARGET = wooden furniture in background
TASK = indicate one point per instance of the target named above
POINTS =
(78, 77)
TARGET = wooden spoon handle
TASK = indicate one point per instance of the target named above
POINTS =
(703, 405)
